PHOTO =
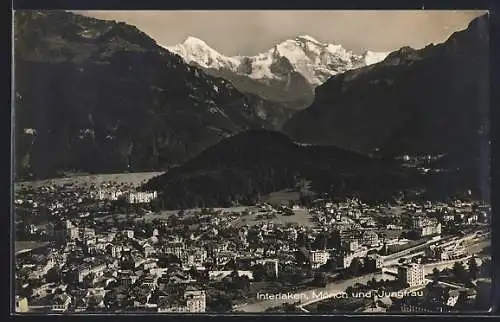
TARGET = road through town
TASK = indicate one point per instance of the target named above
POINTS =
(311, 295)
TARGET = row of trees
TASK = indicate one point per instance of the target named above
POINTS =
(466, 275)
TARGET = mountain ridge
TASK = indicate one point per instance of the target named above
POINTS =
(245, 166)
(286, 73)
(102, 96)
(404, 103)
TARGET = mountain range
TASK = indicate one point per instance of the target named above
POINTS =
(98, 96)
(428, 101)
(102, 96)
(286, 73)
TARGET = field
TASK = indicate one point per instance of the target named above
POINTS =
(281, 197)
(25, 245)
(134, 179)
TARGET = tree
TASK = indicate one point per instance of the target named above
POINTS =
(25, 291)
(88, 280)
(435, 274)
(473, 268)
(221, 303)
(320, 279)
(167, 259)
(330, 266)
(320, 242)
(259, 273)
(460, 272)
(372, 283)
(355, 267)
(412, 235)
(156, 205)
(53, 275)
(240, 282)
(486, 268)
(110, 299)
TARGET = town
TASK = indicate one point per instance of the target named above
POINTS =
(108, 247)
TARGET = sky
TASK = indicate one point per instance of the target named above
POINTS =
(248, 32)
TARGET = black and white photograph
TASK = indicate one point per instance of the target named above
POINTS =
(251, 162)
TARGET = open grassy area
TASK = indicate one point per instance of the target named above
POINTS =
(301, 217)
(25, 245)
(281, 197)
(128, 178)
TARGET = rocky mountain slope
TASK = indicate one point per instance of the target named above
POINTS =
(286, 73)
(428, 101)
(99, 96)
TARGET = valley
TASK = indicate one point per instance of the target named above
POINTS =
(168, 177)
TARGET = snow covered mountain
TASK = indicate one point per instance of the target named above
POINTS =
(288, 72)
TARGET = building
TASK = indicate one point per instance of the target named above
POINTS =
(116, 251)
(370, 238)
(175, 248)
(61, 303)
(417, 222)
(194, 302)
(441, 254)
(425, 226)
(318, 258)
(126, 278)
(440, 308)
(44, 290)
(73, 233)
(342, 238)
(142, 197)
(430, 229)
(129, 233)
(148, 250)
(107, 194)
(351, 245)
(412, 274)
(87, 233)
(346, 258)
(379, 260)
(222, 258)
(195, 257)
(87, 269)
(81, 233)
(165, 305)
(219, 275)
(21, 304)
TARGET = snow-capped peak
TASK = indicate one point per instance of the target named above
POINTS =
(371, 57)
(196, 50)
(193, 41)
(314, 60)
(307, 38)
